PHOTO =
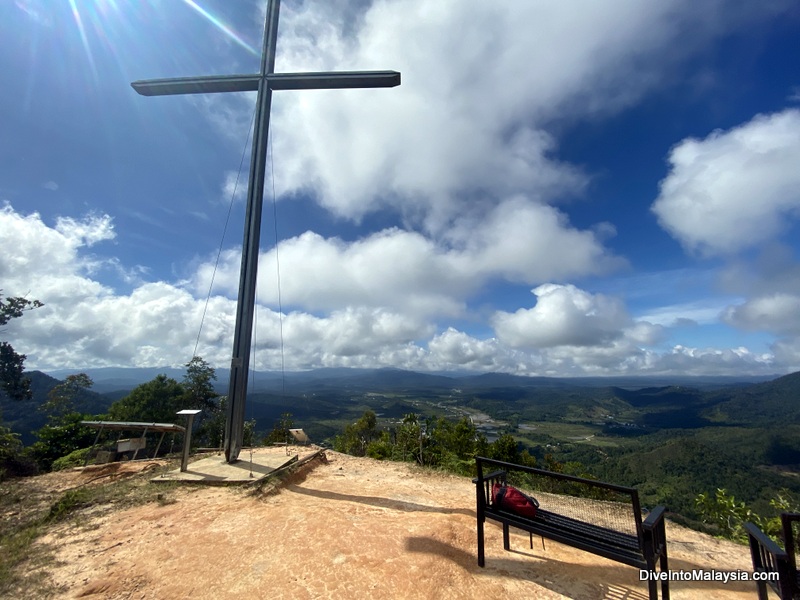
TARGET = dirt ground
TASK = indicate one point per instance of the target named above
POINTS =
(346, 528)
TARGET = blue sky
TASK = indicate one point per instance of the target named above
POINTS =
(556, 188)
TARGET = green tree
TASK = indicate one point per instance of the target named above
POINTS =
(63, 432)
(200, 394)
(59, 439)
(357, 436)
(504, 448)
(12, 381)
(199, 386)
(210, 432)
(280, 432)
(725, 513)
(156, 401)
(380, 448)
(61, 399)
(13, 461)
(408, 438)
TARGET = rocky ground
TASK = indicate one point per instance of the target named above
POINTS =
(344, 527)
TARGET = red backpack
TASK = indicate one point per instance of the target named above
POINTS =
(505, 497)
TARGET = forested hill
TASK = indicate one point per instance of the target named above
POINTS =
(24, 416)
(770, 403)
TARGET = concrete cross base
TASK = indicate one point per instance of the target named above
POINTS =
(215, 470)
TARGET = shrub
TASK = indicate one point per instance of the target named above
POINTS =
(76, 458)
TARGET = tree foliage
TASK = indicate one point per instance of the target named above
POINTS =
(280, 431)
(727, 516)
(199, 386)
(60, 438)
(12, 381)
(357, 436)
(156, 401)
(63, 432)
(62, 398)
(440, 443)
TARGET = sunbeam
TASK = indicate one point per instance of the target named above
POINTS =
(222, 27)
(79, 22)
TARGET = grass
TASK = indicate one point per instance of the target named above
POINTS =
(30, 510)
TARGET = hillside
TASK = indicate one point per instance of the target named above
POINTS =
(345, 528)
(24, 416)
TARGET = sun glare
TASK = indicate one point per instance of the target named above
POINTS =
(219, 24)
(84, 40)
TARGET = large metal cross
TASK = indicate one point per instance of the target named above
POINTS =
(264, 83)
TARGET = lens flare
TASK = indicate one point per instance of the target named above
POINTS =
(85, 40)
(222, 27)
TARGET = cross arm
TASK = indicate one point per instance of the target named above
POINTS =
(277, 81)
(342, 79)
(197, 85)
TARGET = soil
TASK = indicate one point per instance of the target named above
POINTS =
(342, 527)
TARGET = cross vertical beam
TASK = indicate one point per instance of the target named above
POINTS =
(248, 274)
(265, 81)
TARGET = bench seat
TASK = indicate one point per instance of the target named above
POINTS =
(624, 538)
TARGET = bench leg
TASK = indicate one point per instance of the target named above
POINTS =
(481, 560)
(663, 563)
(652, 588)
(506, 543)
(652, 585)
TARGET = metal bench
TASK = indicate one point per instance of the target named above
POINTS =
(601, 518)
(769, 557)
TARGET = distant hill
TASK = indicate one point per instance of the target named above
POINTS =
(768, 403)
(23, 416)
(116, 379)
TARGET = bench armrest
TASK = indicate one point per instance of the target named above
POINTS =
(654, 518)
(492, 475)
(768, 557)
(766, 542)
(654, 536)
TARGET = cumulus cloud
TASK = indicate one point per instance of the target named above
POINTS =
(463, 151)
(86, 324)
(734, 189)
(86, 232)
(480, 85)
(778, 313)
(453, 349)
(563, 316)
(400, 269)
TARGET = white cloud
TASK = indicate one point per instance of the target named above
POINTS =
(734, 189)
(86, 232)
(787, 353)
(563, 316)
(405, 270)
(714, 361)
(50, 185)
(234, 188)
(777, 313)
(704, 311)
(463, 151)
(86, 324)
(454, 349)
(527, 242)
(480, 83)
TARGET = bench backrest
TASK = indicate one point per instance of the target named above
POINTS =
(790, 525)
(613, 507)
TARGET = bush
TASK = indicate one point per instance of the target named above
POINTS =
(14, 462)
(76, 458)
(60, 438)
